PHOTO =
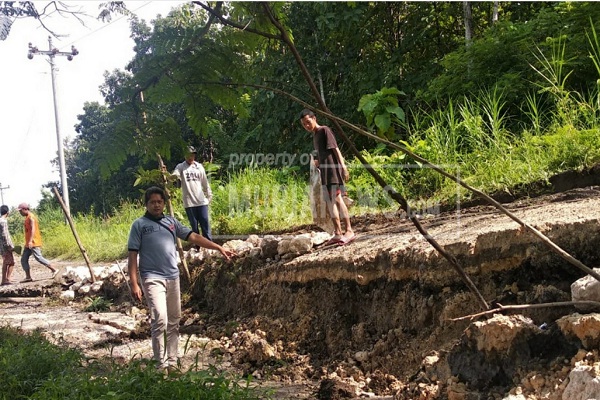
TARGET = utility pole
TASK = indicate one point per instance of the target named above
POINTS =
(2, 189)
(51, 53)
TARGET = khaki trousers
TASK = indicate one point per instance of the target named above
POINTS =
(164, 300)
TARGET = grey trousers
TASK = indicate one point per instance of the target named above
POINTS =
(37, 254)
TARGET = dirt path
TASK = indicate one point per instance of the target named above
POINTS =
(34, 306)
(110, 335)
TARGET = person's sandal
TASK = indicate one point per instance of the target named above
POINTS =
(337, 239)
(346, 240)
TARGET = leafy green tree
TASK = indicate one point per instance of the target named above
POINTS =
(209, 74)
(175, 68)
(88, 188)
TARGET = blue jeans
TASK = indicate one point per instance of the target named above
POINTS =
(199, 216)
(37, 254)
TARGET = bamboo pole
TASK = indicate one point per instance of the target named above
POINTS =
(500, 308)
(162, 168)
(70, 220)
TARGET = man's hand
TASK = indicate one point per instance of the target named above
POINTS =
(227, 253)
(136, 291)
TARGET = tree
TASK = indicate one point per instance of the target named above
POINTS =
(88, 188)
(181, 64)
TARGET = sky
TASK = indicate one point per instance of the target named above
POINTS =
(28, 135)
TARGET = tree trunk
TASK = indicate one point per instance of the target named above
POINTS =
(321, 87)
(468, 11)
(495, 12)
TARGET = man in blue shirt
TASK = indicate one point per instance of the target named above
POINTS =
(152, 238)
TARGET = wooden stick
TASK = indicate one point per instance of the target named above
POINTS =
(527, 306)
(126, 281)
(161, 166)
(70, 220)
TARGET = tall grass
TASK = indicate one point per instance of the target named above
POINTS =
(33, 368)
(258, 200)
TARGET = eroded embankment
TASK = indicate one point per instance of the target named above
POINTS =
(384, 302)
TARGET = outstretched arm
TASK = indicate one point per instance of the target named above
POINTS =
(204, 242)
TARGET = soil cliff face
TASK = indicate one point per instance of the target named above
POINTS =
(384, 304)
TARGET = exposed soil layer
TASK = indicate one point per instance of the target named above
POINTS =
(378, 307)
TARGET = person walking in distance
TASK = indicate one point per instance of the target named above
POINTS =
(333, 175)
(6, 247)
(33, 243)
(196, 192)
(152, 253)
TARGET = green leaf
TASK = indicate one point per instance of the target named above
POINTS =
(397, 111)
(383, 122)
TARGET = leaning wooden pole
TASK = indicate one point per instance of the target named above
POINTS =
(161, 166)
(70, 220)
(392, 193)
(545, 240)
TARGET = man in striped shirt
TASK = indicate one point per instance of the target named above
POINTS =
(6, 247)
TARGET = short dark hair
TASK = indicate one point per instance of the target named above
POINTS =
(306, 112)
(154, 190)
(3, 210)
